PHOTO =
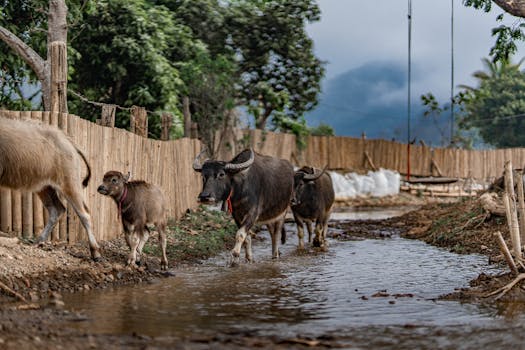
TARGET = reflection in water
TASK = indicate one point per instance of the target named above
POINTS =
(311, 294)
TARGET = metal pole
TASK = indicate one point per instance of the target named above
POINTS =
(452, 119)
(409, 84)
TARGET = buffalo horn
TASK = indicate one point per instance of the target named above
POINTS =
(197, 166)
(315, 175)
(241, 166)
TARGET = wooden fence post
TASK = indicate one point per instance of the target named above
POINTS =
(139, 121)
(187, 116)
(107, 117)
(58, 76)
(166, 122)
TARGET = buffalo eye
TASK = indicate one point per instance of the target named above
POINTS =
(114, 180)
(221, 175)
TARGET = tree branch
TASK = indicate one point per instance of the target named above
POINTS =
(29, 55)
(514, 7)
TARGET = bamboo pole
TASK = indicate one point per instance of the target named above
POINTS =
(521, 204)
(512, 217)
(506, 253)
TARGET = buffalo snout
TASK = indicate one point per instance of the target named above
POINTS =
(205, 197)
(102, 190)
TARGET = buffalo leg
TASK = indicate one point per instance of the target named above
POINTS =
(310, 230)
(275, 230)
(248, 247)
(240, 236)
(163, 243)
(142, 241)
(134, 243)
(55, 209)
(319, 240)
(300, 231)
(74, 197)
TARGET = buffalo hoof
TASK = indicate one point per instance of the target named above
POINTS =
(39, 241)
(95, 254)
(316, 243)
(234, 260)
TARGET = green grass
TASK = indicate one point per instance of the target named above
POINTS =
(200, 234)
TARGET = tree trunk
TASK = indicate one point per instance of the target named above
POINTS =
(260, 123)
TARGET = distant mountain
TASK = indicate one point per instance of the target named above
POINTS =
(373, 99)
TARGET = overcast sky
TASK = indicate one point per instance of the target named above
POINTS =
(353, 32)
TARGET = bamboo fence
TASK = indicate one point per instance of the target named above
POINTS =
(165, 163)
(169, 165)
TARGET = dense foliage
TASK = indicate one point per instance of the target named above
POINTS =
(152, 52)
(496, 107)
(493, 111)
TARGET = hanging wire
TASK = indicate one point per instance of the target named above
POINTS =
(452, 117)
(409, 68)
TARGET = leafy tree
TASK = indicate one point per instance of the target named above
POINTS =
(322, 130)
(506, 36)
(125, 53)
(434, 112)
(210, 86)
(496, 107)
(280, 75)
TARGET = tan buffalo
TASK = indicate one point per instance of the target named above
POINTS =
(42, 159)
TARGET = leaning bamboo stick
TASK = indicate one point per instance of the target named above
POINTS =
(506, 253)
(512, 215)
(521, 205)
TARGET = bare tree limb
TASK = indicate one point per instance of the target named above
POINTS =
(30, 56)
(514, 7)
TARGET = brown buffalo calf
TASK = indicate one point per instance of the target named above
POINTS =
(140, 206)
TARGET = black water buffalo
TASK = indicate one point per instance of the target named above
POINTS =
(312, 201)
(257, 189)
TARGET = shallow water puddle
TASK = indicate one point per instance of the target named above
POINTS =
(359, 292)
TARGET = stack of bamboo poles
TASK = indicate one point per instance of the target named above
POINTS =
(515, 213)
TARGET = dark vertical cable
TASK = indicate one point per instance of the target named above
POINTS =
(452, 119)
(409, 84)
(409, 68)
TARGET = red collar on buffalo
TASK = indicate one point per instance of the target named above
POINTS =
(229, 201)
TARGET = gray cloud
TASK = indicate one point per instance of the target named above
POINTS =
(352, 33)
